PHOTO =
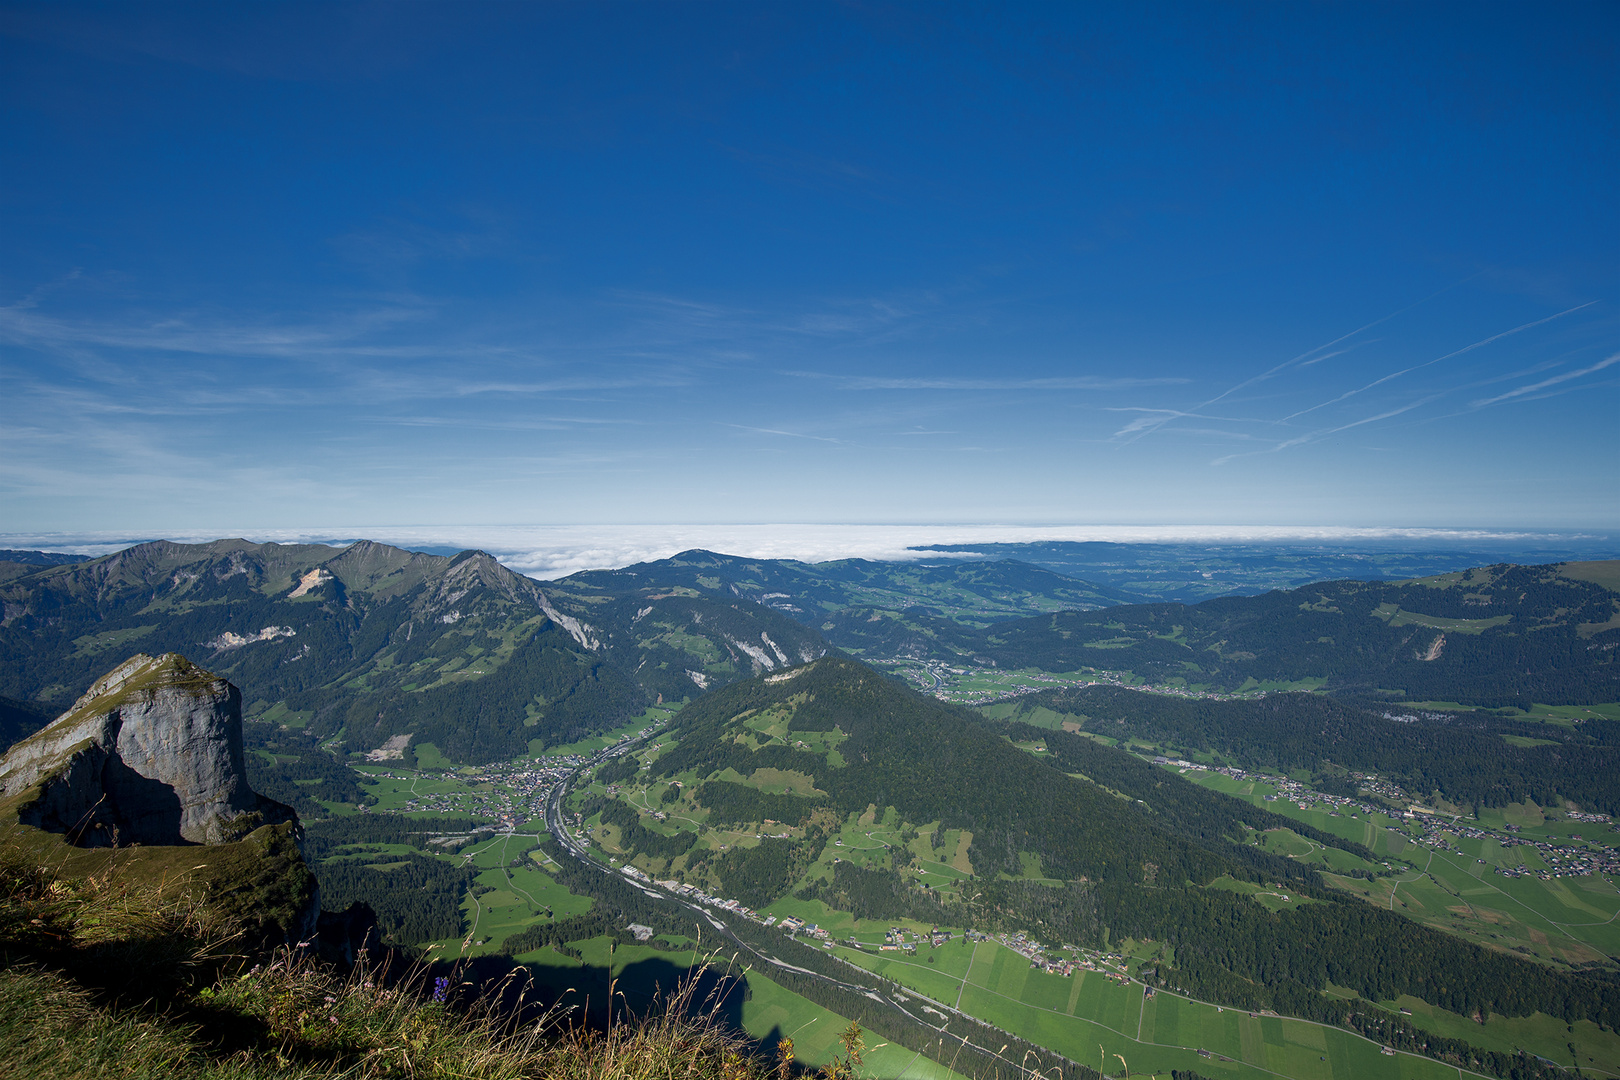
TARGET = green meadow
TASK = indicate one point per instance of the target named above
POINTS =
(1092, 1018)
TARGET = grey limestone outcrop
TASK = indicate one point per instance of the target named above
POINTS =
(151, 754)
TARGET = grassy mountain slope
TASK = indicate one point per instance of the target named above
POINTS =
(1500, 635)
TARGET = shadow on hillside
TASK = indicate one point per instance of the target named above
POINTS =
(637, 989)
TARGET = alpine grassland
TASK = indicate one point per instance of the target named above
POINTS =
(112, 976)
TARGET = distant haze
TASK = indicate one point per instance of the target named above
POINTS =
(555, 551)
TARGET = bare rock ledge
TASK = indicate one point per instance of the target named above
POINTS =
(151, 754)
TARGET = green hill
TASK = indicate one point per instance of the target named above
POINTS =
(833, 783)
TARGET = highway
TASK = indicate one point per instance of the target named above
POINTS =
(576, 847)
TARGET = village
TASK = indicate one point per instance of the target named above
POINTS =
(1430, 827)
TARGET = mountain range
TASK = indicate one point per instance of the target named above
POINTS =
(386, 649)
(795, 774)
(374, 642)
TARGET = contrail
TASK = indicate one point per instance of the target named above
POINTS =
(1329, 345)
(1311, 436)
(1599, 366)
(1309, 352)
(1436, 360)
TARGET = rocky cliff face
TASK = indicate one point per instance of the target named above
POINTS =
(151, 754)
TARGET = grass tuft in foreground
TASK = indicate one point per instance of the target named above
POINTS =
(108, 979)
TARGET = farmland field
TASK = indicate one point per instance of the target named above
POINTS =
(1091, 1015)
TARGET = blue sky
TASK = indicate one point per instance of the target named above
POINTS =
(278, 266)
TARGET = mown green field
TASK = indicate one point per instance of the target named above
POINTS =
(1091, 1018)
(651, 715)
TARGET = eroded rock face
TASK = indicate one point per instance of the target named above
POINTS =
(151, 754)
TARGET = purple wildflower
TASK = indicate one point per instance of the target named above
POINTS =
(441, 987)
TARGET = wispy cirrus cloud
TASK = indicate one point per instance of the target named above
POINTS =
(1321, 433)
(1305, 359)
(1154, 418)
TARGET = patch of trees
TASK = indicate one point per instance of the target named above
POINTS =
(417, 898)
(882, 894)
(618, 770)
(299, 757)
(323, 838)
(602, 922)
(760, 874)
(635, 836)
(734, 804)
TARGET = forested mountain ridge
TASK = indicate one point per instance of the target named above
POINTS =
(1467, 758)
(1079, 839)
(377, 642)
(886, 746)
(1490, 636)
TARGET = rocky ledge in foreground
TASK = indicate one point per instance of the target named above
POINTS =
(151, 754)
(143, 779)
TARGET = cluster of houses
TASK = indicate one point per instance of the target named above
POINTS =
(513, 794)
(1564, 861)
(793, 925)
(902, 940)
(1432, 829)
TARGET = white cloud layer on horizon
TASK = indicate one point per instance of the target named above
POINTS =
(552, 551)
